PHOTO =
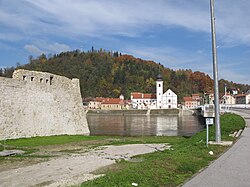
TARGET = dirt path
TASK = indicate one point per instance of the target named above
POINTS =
(74, 169)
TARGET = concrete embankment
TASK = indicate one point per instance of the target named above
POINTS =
(135, 112)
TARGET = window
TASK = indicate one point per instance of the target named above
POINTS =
(159, 85)
(169, 100)
(47, 80)
(24, 77)
(50, 80)
(32, 78)
(41, 80)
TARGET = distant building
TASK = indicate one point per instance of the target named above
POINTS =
(242, 99)
(96, 103)
(159, 100)
(228, 99)
(112, 104)
(143, 101)
(109, 103)
(197, 98)
(190, 103)
(166, 100)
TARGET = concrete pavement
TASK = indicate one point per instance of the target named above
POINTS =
(233, 167)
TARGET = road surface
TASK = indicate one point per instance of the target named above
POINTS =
(233, 167)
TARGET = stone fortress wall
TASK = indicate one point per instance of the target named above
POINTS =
(40, 104)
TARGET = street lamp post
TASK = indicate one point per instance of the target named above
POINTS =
(215, 74)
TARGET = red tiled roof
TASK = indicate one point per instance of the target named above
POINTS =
(113, 101)
(241, 95)
(149, 96)
(188, 99)
(138, 95)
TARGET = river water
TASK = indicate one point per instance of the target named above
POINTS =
(144, 125)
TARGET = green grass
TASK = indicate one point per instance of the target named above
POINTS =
(50, 140)
(170, 167)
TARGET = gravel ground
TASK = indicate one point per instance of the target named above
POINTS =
(74, 169)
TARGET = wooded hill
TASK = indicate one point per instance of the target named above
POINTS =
(110, 74)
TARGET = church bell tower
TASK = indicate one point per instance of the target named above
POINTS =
(159, 91)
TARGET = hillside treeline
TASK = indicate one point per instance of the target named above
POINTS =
(110, 74)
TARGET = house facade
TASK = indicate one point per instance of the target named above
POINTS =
(112, 104)
(197, 98)
(143, 101)
(96, 103)
(108, 103)
(229, 99)
(242, 99)
(190, 103)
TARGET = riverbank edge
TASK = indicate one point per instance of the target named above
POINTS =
(135, 112)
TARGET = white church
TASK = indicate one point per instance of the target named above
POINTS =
(159, 100)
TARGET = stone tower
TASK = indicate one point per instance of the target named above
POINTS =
(159, 91)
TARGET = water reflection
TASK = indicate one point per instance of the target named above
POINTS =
(144, 125)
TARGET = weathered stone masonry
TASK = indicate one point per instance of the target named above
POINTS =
(40, 104)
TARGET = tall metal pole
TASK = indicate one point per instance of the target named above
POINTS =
(215, 73)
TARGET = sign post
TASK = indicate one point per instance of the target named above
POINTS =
(209, 121)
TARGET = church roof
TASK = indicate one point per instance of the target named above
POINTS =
(159, 77)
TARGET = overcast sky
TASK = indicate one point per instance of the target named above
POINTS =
(175, 33)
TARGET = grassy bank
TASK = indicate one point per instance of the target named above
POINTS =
(165, 168)
(49, 140)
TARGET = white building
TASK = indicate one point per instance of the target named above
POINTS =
(229, 99)
(167, 99)
(143, 101)
(159, 100)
